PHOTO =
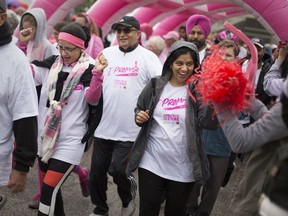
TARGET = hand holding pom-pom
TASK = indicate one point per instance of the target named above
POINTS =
(223, 84)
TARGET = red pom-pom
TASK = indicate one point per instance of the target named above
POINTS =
(223, 84)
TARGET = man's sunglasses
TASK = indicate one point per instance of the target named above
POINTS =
(125, 30)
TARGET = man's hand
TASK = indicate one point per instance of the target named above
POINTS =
(17, 181)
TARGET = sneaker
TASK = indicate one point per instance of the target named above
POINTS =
(34, 204)
(84, 183)
(35, 201)
(99, 212)
(3, 200)
(129, 210)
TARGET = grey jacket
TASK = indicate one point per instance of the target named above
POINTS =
(273, 80)
(148, 100)
(42, 48)
(263, 138)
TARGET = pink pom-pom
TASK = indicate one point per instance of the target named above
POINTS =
(223, 85)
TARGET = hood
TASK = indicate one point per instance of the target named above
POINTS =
(177, 45)
(40, 17)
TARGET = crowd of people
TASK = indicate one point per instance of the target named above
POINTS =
(133, 97)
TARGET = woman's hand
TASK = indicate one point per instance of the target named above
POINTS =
(142, 117)
(100, 62)
(282, 53)
(26, 35)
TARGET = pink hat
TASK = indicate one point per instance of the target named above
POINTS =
(202, 21)
(147, 29)
(171, 34)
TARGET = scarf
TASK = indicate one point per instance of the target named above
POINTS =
(5, 34)
(51, 131)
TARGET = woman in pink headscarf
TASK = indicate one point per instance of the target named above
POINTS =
(146, 32)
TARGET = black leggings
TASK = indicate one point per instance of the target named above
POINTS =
(151, 189)
(56, 172)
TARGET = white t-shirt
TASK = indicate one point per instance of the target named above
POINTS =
(166, 153)
(18, 100)
(40, 77)
(74, 119)
(202, 55)
(257, 75)
(124, 78)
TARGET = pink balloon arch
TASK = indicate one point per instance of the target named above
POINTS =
(167, 15)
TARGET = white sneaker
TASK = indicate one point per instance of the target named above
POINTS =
(93, 214)
(129, 210)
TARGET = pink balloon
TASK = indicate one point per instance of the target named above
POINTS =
(252, 66)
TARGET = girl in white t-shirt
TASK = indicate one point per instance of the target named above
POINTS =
(168, 148)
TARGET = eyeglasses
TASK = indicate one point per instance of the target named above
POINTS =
(66, 50)
(125, 30)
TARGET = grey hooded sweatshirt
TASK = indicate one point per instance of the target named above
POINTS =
(40, 48)
(148, 100)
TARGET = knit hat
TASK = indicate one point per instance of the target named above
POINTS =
(2, 6)
(127, 21)
(171, 34)
(202, 21)
(147, 29)
(175, 46)
(76, 34)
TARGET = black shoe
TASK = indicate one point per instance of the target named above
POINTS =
(99, 212)
(3, 200)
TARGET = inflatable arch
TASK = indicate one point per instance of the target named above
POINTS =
(55, 11)
(166, 15)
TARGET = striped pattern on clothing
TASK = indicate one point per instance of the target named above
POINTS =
(52, 126)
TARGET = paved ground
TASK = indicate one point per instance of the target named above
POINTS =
(76, 205)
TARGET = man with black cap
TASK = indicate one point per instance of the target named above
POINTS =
(18, 112)
(129, 67)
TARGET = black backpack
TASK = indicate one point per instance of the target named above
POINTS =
(94, 118)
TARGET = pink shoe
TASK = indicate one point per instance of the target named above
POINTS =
(84, 183)
(35, 202)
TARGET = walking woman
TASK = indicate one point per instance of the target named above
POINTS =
(169, 150)
(71, 82)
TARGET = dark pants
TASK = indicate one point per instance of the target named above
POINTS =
(151, 189)
(110, 156)
(218, 167)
